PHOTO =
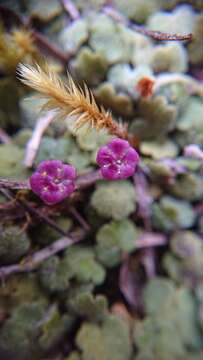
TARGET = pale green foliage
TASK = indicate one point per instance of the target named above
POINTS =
(83, 265)
(90, 66)
(114, 199)
(106, 342)
(159, 149)
(190, 122)
(170, 312)
(171, 213)
(188, 186)
(14, 243)
(154, 118)
(195, 47)
(89, 306)
(113, 239)
(11, 158)
(74, 35)
(138, 10)
(170, 57)
(78, 263)
(18, 333)
(180, 20)
(120, 103)
(186, 244)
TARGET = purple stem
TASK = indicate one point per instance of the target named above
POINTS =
(13, 184)
(82, 181)
(71, 9)
(156, 35)
(30, 263)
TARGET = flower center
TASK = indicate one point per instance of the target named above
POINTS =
(57, 181)
(119, 162)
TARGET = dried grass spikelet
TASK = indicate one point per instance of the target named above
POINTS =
(24, 39)
(69, 99)
(15, 47)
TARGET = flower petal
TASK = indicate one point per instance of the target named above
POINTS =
(51, 167)
(37, 182)
(69, 172)
(110, 172)
(131, 157)
(105, 156)
(127, 170)
(119, 147)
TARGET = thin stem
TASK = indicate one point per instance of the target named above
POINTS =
(82, 181)
(71, 9)
(44, 43)
(88, 179)
(32, 262)
(13, 184)
(4, 138)
(36, 212)
(33, 144)
(79, 218)
(8, 15)
(160, 36)
(150, 239)
(156, 35)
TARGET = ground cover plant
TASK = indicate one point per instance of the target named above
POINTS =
(101, 186)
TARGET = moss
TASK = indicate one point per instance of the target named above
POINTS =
(90, 307)
(54, 275)
(120, 103)
(83, 265)
(109, 38)
(195, 47)
(188, 186)
(156, 293)
(21, 288)
(78, 263)
(189, 123)
(14, 243)
(74, 35)
(169, 310)
(172, 213)
(113, 239)
(154, 118)
(181, 20)
(114, 200)
(110, 341)
(125, 78)
(9, 105)
(169, 58)
(53, 328)
(138, 10)
(18, 334)
(46, 10)
(159, 149)
(90, 66)
(11, 158)
(186, 244)
(54, 149)
(44, 234)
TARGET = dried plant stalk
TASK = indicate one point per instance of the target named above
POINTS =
(15, 46)
(69, 99)
(33, 144)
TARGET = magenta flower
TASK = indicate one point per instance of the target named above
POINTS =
(53, 181)
(117, 159)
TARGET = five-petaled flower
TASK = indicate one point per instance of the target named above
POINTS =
(117, 159)
(53, 181)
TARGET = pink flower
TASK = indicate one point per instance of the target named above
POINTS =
(53, 181)
(117, 159)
